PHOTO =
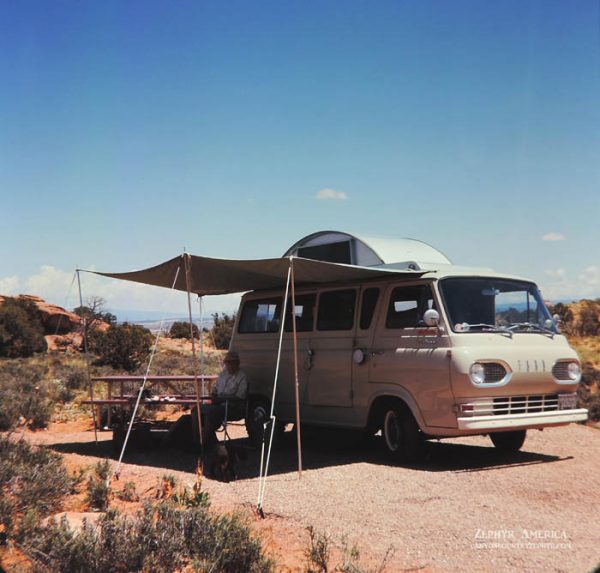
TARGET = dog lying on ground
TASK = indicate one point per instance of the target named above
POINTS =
(226, 457)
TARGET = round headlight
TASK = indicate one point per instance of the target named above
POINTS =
(574, 371)
(477, 373)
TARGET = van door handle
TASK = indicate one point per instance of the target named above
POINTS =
(377, 352)
(308, 362)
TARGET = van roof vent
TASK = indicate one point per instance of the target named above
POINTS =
(338, 247)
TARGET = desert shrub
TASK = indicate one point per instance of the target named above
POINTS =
(581, 318)
(222, 330)
(318, 554)
(318, 551)
(25, 395)
(128, 493)
(21, 331)
(182, 330)
(33, 482)
(161, 537)
(168, 362)
(124, 346)
(98, 488)
(93, 315)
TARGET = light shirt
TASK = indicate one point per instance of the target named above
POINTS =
(231, 385)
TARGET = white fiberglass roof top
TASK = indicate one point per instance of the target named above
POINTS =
(338, 247)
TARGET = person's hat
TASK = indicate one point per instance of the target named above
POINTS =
(232, 356)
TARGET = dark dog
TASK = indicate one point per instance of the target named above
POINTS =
(226, 457)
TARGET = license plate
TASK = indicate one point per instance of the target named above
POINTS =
(567, 401)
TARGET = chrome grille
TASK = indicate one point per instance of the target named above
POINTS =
(510, 405)
(560, 371)
(494, 372)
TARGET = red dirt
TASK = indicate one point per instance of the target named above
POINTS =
(433, 514)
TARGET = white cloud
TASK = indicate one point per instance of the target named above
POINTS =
(559, 273)
(553, 237)
(9, 285)
(331, 194)
(59, 287)
(590, 277)
(563, 284)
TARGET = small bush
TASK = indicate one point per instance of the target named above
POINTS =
(318, 551)
(318, 555)
(163, 537)
(25, 396)
(33, 481)
(98, 488)
(124, 346)
(222, 330)
(182, 330)
(21, 331)
(128, 492)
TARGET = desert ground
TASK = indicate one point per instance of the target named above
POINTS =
(466, 507)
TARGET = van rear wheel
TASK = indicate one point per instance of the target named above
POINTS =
(509, 441)
(402, 438)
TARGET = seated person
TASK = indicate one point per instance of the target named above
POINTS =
(231, 384)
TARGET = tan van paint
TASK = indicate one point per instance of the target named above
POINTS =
(345, 375)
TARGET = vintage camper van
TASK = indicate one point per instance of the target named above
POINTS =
(443, 352)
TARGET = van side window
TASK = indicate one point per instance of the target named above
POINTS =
(260, 315)
(407, 306)
(304, 313)
(369, 302)
(336, 310)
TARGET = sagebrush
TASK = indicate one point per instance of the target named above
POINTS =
(123, 346)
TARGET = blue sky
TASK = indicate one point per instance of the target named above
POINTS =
(130, 130)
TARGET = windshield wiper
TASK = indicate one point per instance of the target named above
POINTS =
(531, 326)
(490, 328)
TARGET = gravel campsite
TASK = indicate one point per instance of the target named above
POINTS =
(466, 507)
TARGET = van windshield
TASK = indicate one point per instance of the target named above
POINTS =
(501, 305)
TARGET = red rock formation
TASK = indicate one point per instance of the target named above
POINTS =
(55, 319)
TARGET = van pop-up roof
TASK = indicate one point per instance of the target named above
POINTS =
(337, 247)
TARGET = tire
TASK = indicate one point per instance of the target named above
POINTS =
(402, 437)
(509, 441)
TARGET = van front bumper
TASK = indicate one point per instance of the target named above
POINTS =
(529, 420)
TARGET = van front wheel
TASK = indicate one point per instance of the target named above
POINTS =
(402, 437)
(508, 441)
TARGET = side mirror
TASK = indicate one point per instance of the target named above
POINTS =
(431, 317)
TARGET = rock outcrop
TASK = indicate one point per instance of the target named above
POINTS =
(55, 319)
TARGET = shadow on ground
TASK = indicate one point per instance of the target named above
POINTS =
(321, 448)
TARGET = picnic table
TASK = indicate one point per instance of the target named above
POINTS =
(154, 395)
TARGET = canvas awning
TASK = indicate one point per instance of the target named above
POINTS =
(223, 276)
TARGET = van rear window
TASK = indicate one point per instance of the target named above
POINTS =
(336, 310)
(408, 305)
(260, 315)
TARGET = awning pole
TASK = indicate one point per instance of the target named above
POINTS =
(264, 464)
(117, 472)
(202, 373)
(87, 358)
(297, 383)
(188, 260)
